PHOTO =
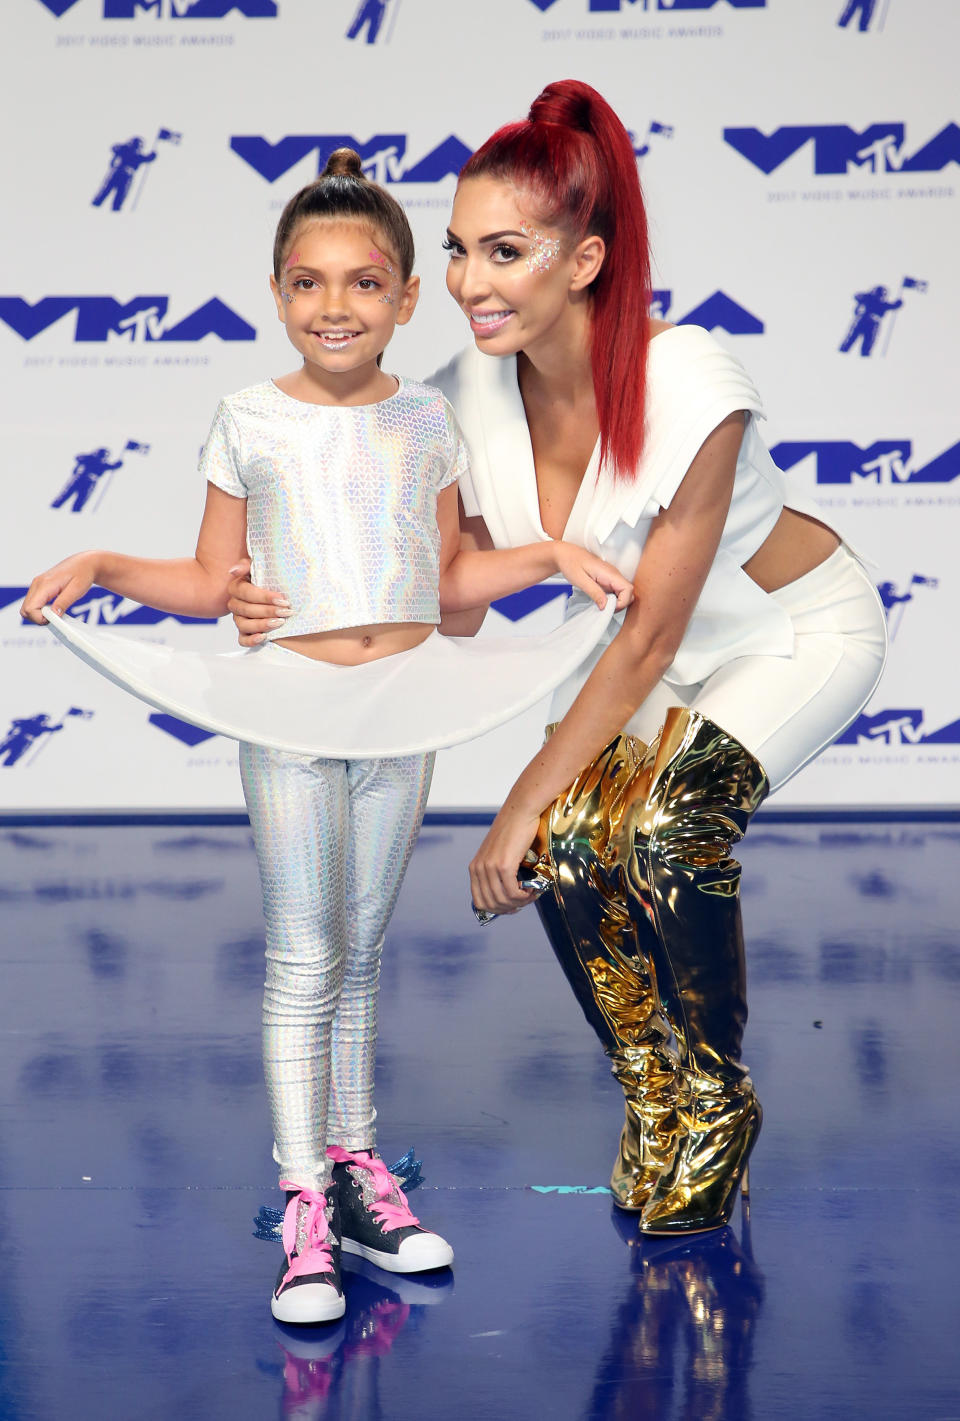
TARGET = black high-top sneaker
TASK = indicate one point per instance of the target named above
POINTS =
(308, 1287)
(376, 1220)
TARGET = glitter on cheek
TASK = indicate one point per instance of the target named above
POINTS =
(292, 260)
(543, 251)
(387, 299)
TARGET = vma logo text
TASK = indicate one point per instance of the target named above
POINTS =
(384, 156)
(142, 319)
(899, 727)
(887, 463)
(169, 9)
(879, 148)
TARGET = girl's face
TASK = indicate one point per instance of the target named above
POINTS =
(515, 278)
(341, 295)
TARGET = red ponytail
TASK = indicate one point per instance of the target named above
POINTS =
(576, 159)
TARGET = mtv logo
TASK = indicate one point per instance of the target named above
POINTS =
(837, 147)
(898, 727)
(138, 320)
(886, 462)
(173, 9)
(383, 155)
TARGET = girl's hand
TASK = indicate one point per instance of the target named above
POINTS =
(493, 870)
(255, 611)
(592, 575)
(62, 586)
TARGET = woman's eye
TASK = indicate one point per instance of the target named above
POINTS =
(454, 248)
(368, 283)
(304, 283)
(503, 252)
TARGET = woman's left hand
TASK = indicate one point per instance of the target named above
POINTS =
(493, 869)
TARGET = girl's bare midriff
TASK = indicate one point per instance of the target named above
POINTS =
(351, 646)
(795, 545)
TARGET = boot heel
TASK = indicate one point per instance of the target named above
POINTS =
(745, 1184)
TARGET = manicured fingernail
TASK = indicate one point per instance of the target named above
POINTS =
(261, 636)
(281, 602)
(275, 622)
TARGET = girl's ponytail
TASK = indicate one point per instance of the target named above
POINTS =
(576, 159)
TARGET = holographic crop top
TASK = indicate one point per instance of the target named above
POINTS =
(341, 500)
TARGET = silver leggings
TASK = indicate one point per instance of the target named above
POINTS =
(333, 840)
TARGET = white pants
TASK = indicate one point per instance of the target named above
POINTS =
(786, 709)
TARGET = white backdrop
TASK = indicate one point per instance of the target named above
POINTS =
(792, 165)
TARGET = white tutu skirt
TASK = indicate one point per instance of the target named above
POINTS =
(440, 693)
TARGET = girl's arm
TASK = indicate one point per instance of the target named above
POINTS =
(677, 556)
(471, 577)
(474, 537)
(193, 587)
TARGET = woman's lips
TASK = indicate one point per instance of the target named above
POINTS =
(488, 322)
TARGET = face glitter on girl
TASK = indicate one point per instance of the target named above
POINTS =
(387, 298)
(544, 251)
(292, 260)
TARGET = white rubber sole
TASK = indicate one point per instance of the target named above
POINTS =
(310, 1302)
(418, 1254)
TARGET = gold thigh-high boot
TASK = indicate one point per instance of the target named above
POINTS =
(702, 790)
(601, 936)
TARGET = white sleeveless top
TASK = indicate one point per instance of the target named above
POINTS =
(692, 385)
(341, 500)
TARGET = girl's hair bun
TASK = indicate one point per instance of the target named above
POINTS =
(567, 102)
(344, 163)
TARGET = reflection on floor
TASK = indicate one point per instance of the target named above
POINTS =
(135, 1153)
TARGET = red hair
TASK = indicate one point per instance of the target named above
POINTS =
(576, 159)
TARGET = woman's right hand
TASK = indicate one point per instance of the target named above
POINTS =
(62, 585)
(254, 611)
(592, 575)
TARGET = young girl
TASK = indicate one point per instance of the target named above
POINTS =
(339, 480)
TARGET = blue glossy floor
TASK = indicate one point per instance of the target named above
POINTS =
(135, 1152)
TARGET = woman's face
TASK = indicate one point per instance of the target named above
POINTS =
(514, 278)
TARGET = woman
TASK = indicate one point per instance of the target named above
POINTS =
(754, 636)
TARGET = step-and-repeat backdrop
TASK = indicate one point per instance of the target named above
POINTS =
(800, 159)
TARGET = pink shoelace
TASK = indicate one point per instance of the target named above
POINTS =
(316, 1256)
(390, 1213)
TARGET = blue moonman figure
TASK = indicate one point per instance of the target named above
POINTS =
(871, 308)
(22, 734)
(866, 9)
(369, 13)
(88, 469)
(127, 158)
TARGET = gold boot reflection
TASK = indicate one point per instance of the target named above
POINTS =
(690, 1313)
